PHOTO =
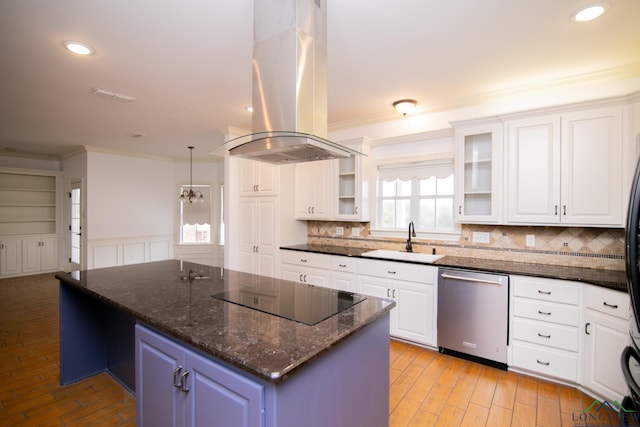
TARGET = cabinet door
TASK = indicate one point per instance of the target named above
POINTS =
(31, 255)
(345, 282)
(478, 167)
(49, 254)
(257, 235)
(533, 170)
(218, 397)
(258, 178)
(158, 362)
(313, 189)
(591, 167)
(604, 339)
(375, 286)
(247, 232)
(414, 313)
(307, 275)
(10, 257)
(266, 237)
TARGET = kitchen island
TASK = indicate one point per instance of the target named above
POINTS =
(166, 332)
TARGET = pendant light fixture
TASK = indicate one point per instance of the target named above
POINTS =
(191, 196)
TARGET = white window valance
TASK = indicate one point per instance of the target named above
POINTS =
(197, 213)
(418, 170)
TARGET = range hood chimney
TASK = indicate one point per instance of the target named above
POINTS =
(289, 85)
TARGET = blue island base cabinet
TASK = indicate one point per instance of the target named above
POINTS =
(176, 387)
(346, 386)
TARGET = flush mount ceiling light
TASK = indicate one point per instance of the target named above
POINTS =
(405, 106)
(78, 48)
(589, 13)
(248, 109)
(191, 196)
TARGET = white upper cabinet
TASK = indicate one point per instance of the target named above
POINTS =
(353, 184)
(313, 189)
(258, 178)
(478, 172)
(566, 169)
(533, 170)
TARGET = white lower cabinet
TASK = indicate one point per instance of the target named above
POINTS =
(544, 327)
(606, 334)
(344, 274)
(39, 254)
(10, 257)
(28, 255)
(178, 387)
(307, 268)
(412, 287)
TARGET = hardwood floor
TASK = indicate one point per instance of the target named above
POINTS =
(427, 388)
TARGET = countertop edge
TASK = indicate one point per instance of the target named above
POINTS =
(576, 274)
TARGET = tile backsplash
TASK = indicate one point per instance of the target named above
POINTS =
(601, 248)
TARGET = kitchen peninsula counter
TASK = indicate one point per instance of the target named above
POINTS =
(612, 279)
(99, 310)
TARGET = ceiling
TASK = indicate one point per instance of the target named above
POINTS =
(188, 64)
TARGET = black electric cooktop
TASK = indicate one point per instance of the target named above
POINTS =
(305, 304)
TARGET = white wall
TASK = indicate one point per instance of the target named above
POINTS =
(129, 196)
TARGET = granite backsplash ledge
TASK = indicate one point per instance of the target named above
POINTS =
(601, 248)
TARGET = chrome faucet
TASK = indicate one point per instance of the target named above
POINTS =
(412, 232)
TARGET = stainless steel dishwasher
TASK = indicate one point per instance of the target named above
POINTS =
(473, 315)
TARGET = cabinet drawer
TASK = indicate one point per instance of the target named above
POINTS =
(343, 263)
(607, 301)
(545, 289)
(545, 361)
(398, 271)
(547, 334)
(306, 259)
(546, 311)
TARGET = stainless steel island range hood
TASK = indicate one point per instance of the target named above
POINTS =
(289, 85)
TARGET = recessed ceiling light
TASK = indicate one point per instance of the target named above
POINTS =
(589, 13)
(78, 48)
(249, 109)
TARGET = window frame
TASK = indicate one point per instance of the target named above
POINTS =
(378, 231)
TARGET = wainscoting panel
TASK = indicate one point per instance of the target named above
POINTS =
(128, 250)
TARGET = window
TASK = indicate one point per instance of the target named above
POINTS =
(418, 192)
(195, 218)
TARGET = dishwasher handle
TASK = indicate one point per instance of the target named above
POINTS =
(470, 279)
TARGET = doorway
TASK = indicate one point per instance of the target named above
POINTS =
(75, 227)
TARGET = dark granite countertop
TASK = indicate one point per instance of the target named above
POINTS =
(262, 344)
(612, 279)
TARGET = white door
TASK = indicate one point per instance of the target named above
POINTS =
(247, 231)
(75, 227)
(266, 237)
(31, 255)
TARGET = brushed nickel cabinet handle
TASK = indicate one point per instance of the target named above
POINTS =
(183, 382)
(176, 374)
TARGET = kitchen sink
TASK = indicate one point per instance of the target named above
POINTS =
(402, 256)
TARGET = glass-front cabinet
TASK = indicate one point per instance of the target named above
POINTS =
(353, 183)
(478, 165)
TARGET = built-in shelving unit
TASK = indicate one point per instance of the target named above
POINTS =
(27, 204)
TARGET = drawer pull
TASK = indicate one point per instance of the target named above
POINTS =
(391, 272)
(543, 335)
(303, 260)
(542, 363)
(544, 292)
(586, 328)
(342, 265)
(546, 313)
(610, 305)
